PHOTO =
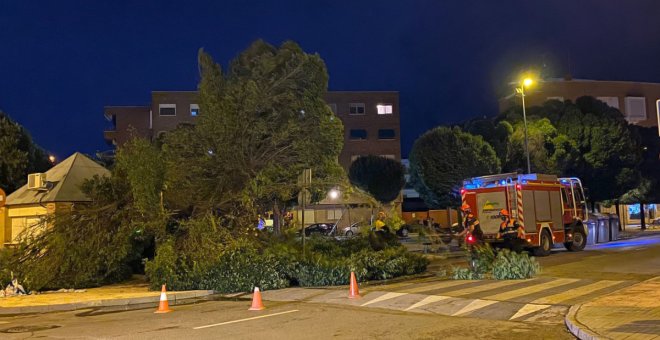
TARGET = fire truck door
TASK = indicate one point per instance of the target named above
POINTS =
(489, 205)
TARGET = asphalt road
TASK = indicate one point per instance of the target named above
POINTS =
(379, 315)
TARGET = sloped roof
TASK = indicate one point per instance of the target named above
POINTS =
(67, 177)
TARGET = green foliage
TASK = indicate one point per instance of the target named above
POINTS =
(510, 265)
(550, 151)
(242, 266)
(503, 265)
(262, 122)
(19, 155)
(141, 163)
(442, 158)
(460, 273)
(379, 176)
(7, 256)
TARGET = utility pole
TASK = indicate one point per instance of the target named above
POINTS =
(304, 195)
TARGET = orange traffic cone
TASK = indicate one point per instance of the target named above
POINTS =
(256, 300)
(353, 293)
(163, 306)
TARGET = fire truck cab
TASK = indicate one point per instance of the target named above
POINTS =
(551, 210)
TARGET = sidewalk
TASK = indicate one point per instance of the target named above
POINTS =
(631, 313)
(117, 295)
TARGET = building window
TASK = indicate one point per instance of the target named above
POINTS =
(167, 109)
(356, 108)
(610, 101)
(386, 134)
(561, 99)
(358, 134)
(635, 109)
(384, 109)
(194, 110)
(333, 107)
(388, 156)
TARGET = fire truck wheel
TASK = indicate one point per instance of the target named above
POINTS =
(579, 240)
(545, 245)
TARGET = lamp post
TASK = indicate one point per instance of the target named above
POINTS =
(525, 83)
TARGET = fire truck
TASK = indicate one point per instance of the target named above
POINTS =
(552, 210)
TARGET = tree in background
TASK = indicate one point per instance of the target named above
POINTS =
(592, 141)
(379, 176)
(262, 122)
(648, 190)
(550, 151)
(19, 155)
(442, 158)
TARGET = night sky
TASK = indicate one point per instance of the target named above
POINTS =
(61, 62)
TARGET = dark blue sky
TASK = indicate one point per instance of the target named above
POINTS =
(62, 61)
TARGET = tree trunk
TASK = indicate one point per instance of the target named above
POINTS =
(276, 218)
(641, 216)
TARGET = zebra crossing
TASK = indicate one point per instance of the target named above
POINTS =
(541, 300)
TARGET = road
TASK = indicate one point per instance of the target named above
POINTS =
(426, 308)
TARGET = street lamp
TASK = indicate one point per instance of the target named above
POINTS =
(527, 82)
(334, 193)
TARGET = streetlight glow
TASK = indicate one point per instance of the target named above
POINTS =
(527, 82)
(51, 158)
(334, 193)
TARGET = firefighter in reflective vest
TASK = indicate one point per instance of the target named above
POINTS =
(471, 225)
(511, 232)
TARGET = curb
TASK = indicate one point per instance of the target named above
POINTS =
(173, 298)
(579, 330)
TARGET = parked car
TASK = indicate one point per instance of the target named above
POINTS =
(325, 229)
(353, 229)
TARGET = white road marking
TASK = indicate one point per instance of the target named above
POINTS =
(248, 319)
(528, 309)
(427, 300)
(384, 297)
(531, 289)
(439, 285)
(474, 305)
(484, 287)
(577, 292)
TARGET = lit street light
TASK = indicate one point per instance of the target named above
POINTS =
(334, 193)
(527, 82)
(51, 158)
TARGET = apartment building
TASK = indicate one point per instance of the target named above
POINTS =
(371, 120)
(639, 102)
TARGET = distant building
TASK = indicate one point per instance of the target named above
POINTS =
(639, 102)
(371, 120)
(58, 189)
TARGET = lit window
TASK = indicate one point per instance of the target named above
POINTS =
(194, 110)
(388, 156)
(386, 134)
(384, 109)
(356, 108)
(358, 134)
(167, 109)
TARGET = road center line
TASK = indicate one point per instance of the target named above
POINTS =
(248, 319)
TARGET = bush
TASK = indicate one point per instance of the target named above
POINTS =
(6, 264)
(510, 265)
(506, 265)
(465, 274)
(241, 266)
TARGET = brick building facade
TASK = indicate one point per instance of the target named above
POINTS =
(371, 120)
